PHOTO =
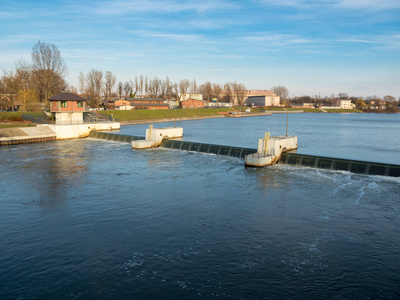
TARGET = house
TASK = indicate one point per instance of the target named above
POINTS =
(68, 108)
(265, 100)
(122, 104)
(192, 103)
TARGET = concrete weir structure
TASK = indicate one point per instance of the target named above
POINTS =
(312, 161)
(154, 137)
(269, 150)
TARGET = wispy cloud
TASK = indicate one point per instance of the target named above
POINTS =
(123, 7)
(184, 38)
(276, 39)
(349, 4)
(389, 41)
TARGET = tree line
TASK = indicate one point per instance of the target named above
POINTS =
(373, 103)
(31, 84)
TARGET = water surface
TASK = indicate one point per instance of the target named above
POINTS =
(95, 219)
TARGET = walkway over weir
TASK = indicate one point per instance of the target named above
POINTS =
(354, 166)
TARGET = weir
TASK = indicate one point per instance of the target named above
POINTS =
(328, 163)
(114, 137)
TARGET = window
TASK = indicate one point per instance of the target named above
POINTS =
(80, 103)
(64, 103)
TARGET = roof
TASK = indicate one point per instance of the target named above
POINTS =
(191, 99)
(149, 104)
(145, 99)
(66, 97)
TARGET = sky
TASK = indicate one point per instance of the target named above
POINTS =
(319, 47)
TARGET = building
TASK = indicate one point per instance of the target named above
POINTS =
(265, 100)
(346, 104)
(122, 104)
(192, 103)
(188, 96)
(341, 104)
(148, 103)
(68, 108)
(245, 94)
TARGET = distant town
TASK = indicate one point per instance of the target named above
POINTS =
(30, 85)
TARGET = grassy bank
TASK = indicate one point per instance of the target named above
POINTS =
(13, 125)
(137, 115)
(343, 110)
(17, 115)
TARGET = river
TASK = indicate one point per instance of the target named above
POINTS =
(95, 219)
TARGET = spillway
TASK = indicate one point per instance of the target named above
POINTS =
(328, 163)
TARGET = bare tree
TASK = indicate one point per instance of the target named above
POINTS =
(26, 92)
(282, 92)
(184, 86)
(194, 86)
(110, 81)
(141, 85)
(127, 88)
(343, 96)
(146, 85)
(9, 89)
(239, 90)
(391, 103)
(206, 90)
(49, 70)
(120, 88)
(217, 91)
(136, 84)
(228, 93)
(95, 85)
(81, 82)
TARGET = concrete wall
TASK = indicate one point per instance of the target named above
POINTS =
(81, 130)
(66, 118)
(277, 145)
(158, 134)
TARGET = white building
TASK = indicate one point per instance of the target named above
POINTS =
(188, 96)
(267, 100)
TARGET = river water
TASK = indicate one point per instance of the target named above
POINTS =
(95, 219)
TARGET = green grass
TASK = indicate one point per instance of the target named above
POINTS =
(308, 110)
(343, 110)
(17, 125)
(17, 115)
(137, 115)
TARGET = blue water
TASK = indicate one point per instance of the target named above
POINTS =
(370, 137)
(95, 219)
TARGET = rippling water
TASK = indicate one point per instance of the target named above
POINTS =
(96, 219)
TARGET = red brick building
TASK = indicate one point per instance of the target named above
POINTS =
(68, 108)
(192, 103)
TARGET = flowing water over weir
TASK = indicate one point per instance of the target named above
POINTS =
(354, 166)
(114, 137)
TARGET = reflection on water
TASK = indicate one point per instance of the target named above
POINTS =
(96, 219)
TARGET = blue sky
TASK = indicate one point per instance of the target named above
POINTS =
(311, 47)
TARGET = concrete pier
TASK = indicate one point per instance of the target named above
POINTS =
(154, 137)
(269, 150)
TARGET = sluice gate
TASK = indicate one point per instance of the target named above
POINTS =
(328, 163)
(338, 164)
(114, 137)
(208, 148)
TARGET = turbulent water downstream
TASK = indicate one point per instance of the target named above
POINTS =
(95, 219)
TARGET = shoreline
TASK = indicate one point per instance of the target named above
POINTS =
(147, 121)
